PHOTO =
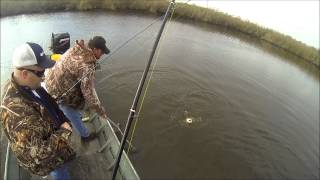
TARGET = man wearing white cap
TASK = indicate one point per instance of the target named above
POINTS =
(37, 129)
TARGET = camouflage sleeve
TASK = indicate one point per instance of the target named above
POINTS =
(89, 92)
(33, 141)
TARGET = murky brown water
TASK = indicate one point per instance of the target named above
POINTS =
(254, 114)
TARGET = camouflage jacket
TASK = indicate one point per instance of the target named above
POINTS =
(75, 64)
(38, 146)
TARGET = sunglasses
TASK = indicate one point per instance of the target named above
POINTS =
(40, 74)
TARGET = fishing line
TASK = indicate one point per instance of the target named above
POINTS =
(149, 80)
(148, 83)
(117, 49)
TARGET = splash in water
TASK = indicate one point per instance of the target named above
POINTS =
(189, 119)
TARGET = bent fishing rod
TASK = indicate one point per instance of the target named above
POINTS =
(139, 90)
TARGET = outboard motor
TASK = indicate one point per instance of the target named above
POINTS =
(60, 43)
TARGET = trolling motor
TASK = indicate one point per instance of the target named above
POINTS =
(60, 43)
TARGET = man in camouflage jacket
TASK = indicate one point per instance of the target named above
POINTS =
(37, 130)
(72, 82)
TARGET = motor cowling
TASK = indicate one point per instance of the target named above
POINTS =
(60, 42)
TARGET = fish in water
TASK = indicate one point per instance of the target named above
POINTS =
(189, 119)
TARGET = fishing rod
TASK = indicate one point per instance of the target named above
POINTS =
(138, 92)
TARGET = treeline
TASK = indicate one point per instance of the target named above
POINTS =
(311, 54)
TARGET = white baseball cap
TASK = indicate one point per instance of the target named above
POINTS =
(31, 54)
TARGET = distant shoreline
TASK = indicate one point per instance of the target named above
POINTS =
(287, 43)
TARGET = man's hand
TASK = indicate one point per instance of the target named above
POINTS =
(81, 43)
(66, 125)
